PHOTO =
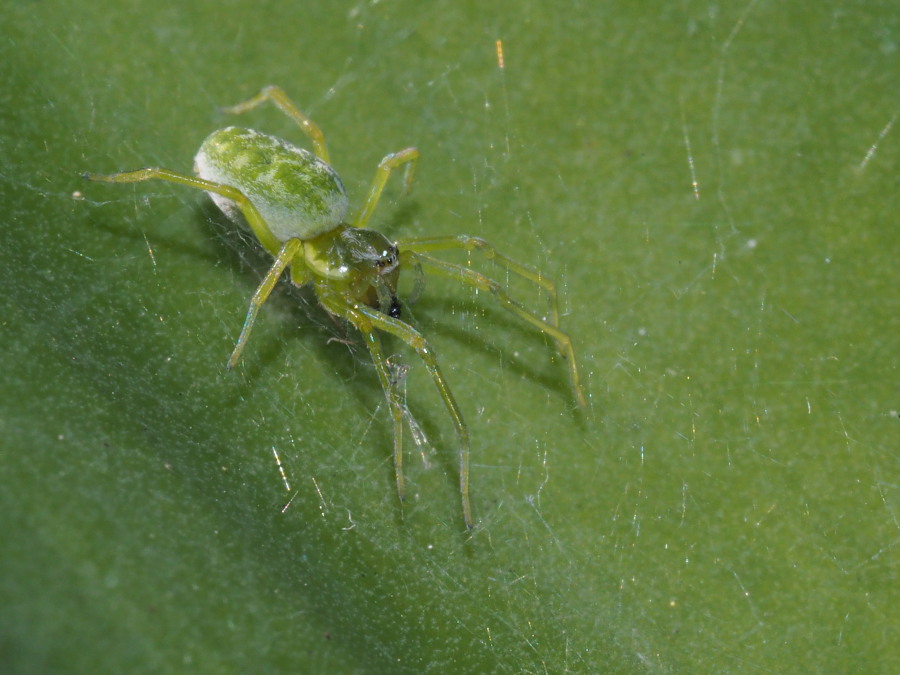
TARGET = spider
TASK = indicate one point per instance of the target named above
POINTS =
(295, 204)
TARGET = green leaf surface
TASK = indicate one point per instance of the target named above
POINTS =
(714, 186)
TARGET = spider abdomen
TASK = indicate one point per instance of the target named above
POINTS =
(296, 193)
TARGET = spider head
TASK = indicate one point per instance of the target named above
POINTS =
(375, 262)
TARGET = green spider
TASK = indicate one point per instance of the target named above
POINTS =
(295, 203)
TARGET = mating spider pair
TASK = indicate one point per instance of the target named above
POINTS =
(295, 204)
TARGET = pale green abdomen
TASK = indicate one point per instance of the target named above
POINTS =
(296, 193)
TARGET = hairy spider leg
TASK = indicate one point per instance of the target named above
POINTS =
(415, 249)
(277, 96)
(367, 320)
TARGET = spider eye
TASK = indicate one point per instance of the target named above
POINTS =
(388, 258)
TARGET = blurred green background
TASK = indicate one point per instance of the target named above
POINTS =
(713, 184)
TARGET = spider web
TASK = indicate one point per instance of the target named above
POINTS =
(713, 189)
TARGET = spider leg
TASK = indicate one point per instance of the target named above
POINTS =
(254, 220)
(284, 253)
(480, 281)
(367, 320)
(285, 256)
(468, 244)
(408, 156)
(391, 393)
(277, 96)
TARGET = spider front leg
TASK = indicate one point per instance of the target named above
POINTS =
(409, 252)
(468, 244)
(367, 320)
